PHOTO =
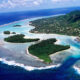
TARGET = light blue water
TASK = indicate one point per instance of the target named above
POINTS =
(64, 40)
(18, 51)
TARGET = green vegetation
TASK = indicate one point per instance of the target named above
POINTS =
(6, 32)
(19, 39)
(68, 24)
(13, 32)
(17, 25)
(45, 48)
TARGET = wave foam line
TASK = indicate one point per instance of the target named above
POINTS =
(29, 68)
(77, 69)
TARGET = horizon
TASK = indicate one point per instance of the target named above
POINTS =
(43, 9)
(32, 5)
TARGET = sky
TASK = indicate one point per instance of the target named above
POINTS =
(22, 5)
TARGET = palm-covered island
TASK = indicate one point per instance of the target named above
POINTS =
(19, 38)
(6, 32)
(46, 47)
(42, 49)
(68, 24)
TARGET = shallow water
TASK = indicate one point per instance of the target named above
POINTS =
(20, 49)
(17, 52)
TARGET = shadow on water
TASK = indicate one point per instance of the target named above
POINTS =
(64, 72)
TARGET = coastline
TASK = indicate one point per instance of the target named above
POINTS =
(77, 69)
(57, 42)
(30, 68)
(33, 55)
(12, 23)
(32, 18)
(50, 33)
(22, 65)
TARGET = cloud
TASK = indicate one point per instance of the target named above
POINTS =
(7, 4)
(37, 2)
(56, 0)
(62, 0)
(19, 3)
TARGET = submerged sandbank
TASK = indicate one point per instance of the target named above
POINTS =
(20, 58)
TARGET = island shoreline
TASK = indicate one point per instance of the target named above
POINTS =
(54, 34)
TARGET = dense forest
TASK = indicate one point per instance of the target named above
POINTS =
(6, 32)
(19, 38)
(68, 24)
(46, 47)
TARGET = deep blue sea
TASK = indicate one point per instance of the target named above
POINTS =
(15, 16)
(64, 72)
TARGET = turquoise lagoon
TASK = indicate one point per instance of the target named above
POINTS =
(17, 54)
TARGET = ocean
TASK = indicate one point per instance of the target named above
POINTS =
(15, 16)
(64, 72)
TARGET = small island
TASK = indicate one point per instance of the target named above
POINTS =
(13, 32)
(17, 25)
(6, 32)
(45, 48)
(19, 38)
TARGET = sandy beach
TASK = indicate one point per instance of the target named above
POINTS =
(18, 55)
